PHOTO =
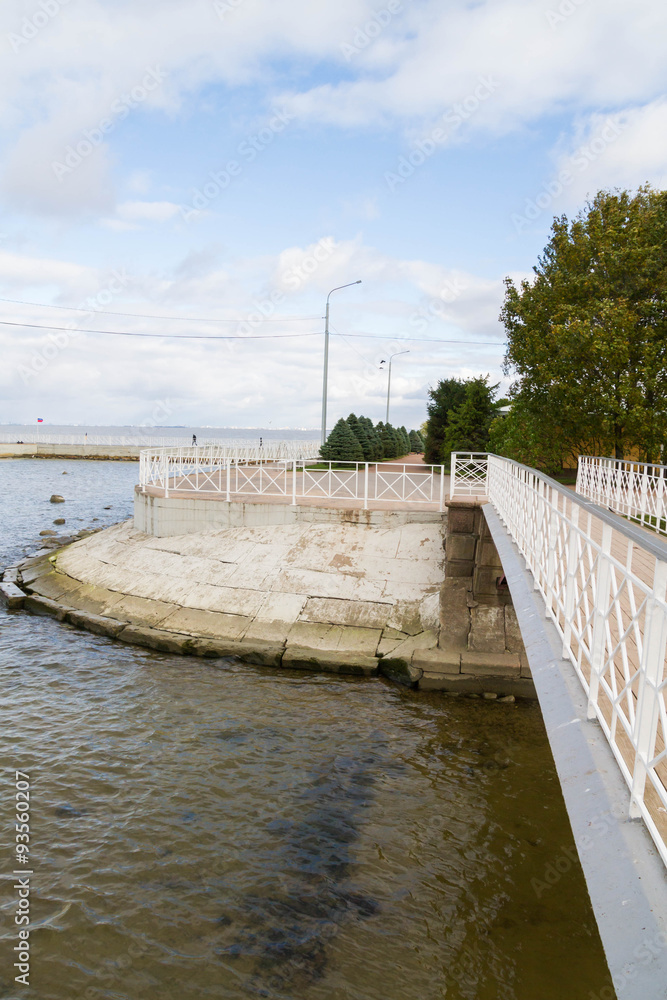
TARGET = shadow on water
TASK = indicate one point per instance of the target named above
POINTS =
(282, 934)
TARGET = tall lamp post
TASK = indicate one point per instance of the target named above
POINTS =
(326, 357)
(389, 378)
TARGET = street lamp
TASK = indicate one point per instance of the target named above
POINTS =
(389, 379)
(326, 358)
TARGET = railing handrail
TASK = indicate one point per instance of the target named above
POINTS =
(609, 608)
(654, 545)
(634, 490)
(253, 472)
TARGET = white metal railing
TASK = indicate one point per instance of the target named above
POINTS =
(468, 474)
(604, 585)
(635, 490)
(253, 474)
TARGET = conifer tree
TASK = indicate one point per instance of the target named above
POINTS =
(389, 443)
(416, 442)
(374, 438)
(342, 445)
(361, 434)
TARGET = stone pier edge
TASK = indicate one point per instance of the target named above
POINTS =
(454, 672)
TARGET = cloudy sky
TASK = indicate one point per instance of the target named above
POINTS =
(216, 167)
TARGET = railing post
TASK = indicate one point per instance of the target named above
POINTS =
(228, 463)
(166, 475)
(366, 486)
(553, 498)
(294, 483)
(572, 552)
(643, 497)
(649, 696)
(441, 503)
(598, 650)
(452, 485)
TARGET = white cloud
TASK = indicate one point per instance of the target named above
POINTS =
(66, 77)
(239, 382)
(148, 211)
(637, 152)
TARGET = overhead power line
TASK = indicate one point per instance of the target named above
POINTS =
(162, 336)
(190, 319)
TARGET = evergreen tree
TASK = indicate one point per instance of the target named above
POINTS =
(405, 441)
(445, 397)
(358, 427)
(468, 425)
(377, 453)
(416, 443)
(387, 438)
(342, 445)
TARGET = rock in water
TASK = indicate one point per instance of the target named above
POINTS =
(59, 520)
(47, 531)
(56, 498)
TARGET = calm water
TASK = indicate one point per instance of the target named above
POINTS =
(216, 830)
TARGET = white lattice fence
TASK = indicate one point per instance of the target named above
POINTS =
(635, 490)
(604, 586)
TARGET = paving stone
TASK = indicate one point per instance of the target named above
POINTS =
(45, 606)
(400, 671)
(264, 654)
(164, 642)
(487, 629)
(454, 613)
(335, 611)
(513, 638)
(405, 649)
(98, 624)
(333, 661)
(490, 664)
(210, 624)
(437, 661)
(11, 595)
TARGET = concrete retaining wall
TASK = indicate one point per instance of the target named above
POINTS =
(163, 517)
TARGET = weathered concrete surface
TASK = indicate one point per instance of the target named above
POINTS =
(335, 595)
(352, 595)
(11, 595)
(182, 514)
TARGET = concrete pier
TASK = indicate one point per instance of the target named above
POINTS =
(310, 587)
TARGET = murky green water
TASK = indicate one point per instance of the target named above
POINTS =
(217, 830)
